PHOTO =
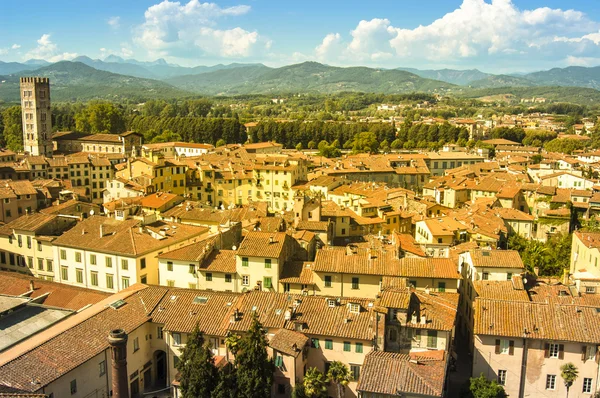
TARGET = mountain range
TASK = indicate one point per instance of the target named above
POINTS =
(115, 77)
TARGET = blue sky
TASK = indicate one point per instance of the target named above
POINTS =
(492, 35)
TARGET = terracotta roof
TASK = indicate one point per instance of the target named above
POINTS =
(392, 374)
(263, 244)
(513, 214)
(439, 309)
(288, 342)
(559, 322)
(72, 342)
(196, 251)
(114, 138)
(31, 222)
(407, 243)
(394, 298)
(159, 199)
(297, 272)
(125, 237)
(220, 261)
(180, 310)
(313, 225)
(496, 258)
(56, 294)
(500, 290)
(589, 239)
(312, 312)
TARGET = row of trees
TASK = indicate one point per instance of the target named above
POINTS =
(251, 374)
(551, 257)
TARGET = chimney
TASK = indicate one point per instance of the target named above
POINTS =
(101, 230)
(118, 346)
(423, 320)
(31, 285)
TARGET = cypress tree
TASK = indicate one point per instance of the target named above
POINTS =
(198, 374)
(254, 368)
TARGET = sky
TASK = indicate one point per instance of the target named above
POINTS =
(497, 36)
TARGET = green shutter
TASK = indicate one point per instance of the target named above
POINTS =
(328, 345)
(346, 346)
(279, 361)
(359, 348)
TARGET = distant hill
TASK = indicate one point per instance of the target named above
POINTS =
(120, 68)
(73, 81)
(454, 76)
(8, 68)
(578, 76)
(576, 95)
(305, 77)
(493, 81)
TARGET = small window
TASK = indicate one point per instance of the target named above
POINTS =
(192, 269)
(93, 259)
(94, 278)
(246, 280)
(228, 278)
(267, 263)
(502, 377)
(355, 282)
(355, 369)
(244, 261)
(63, 254)
(143, 263)
(354, 308)
(327, 280)
(554, 350)
(209, 277)
(124, 264)
(169, 266)
(359, 348)
(328, 344)
(176, 338)
(347, 346)
(267, 282)
(108, 261)
(136, 344)
(485, 276)
(314, 343)
(73, 387)
(587, 385)
(79, 275)
(159, 332)
(109, 281)
(124, 282)
(550, 382)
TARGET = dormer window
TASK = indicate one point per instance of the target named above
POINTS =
(354, 308)
(331, 303)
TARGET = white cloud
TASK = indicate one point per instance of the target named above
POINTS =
(124, 51)
(175, 29)
(7, 50)
(476, 31)
(582, 61)
(15, 46)
(48, 51)
(114, 22)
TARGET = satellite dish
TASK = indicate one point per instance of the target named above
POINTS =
(91, 212)
(525, 280)
(233, 247)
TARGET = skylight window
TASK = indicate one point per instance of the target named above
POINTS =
(200, 300)
(117, 304)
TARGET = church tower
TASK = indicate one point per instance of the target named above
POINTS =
(37, 119)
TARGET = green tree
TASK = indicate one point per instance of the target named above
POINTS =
(340, 375)
(315, 384)
(166, 136)
(365, 142)
(221, 142)
(564, 145)
(13, 128)
(312, 145)
(299, 146)
(100, 117)
(569, 374)
(480, 387)
(396, 144)
(197, 368)
(227, 385)
(253, 367)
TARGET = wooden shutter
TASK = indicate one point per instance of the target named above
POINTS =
(546, 350)
(511, 347)
(561, 351)
(497, 346)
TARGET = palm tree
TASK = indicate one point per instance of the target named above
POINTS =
(569, 374)
(314, 384)
(340, 375)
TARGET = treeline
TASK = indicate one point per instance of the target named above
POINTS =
(290, 134)
(189, 129)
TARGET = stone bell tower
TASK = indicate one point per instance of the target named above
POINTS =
(37, 118)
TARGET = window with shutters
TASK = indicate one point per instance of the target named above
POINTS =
(49, 267)
(359, 348)
(209, 276)
(79, 275)
(347, 346)
(109, 281)
(355, 282)
(169, 266)
(267, 282)
(355, 369)
(432, 339)
(93, 259)
(328, 344)
(94, 278)
(244, 261)
(588, 352)
(314, 343)
(554, 350)
(267, 263)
